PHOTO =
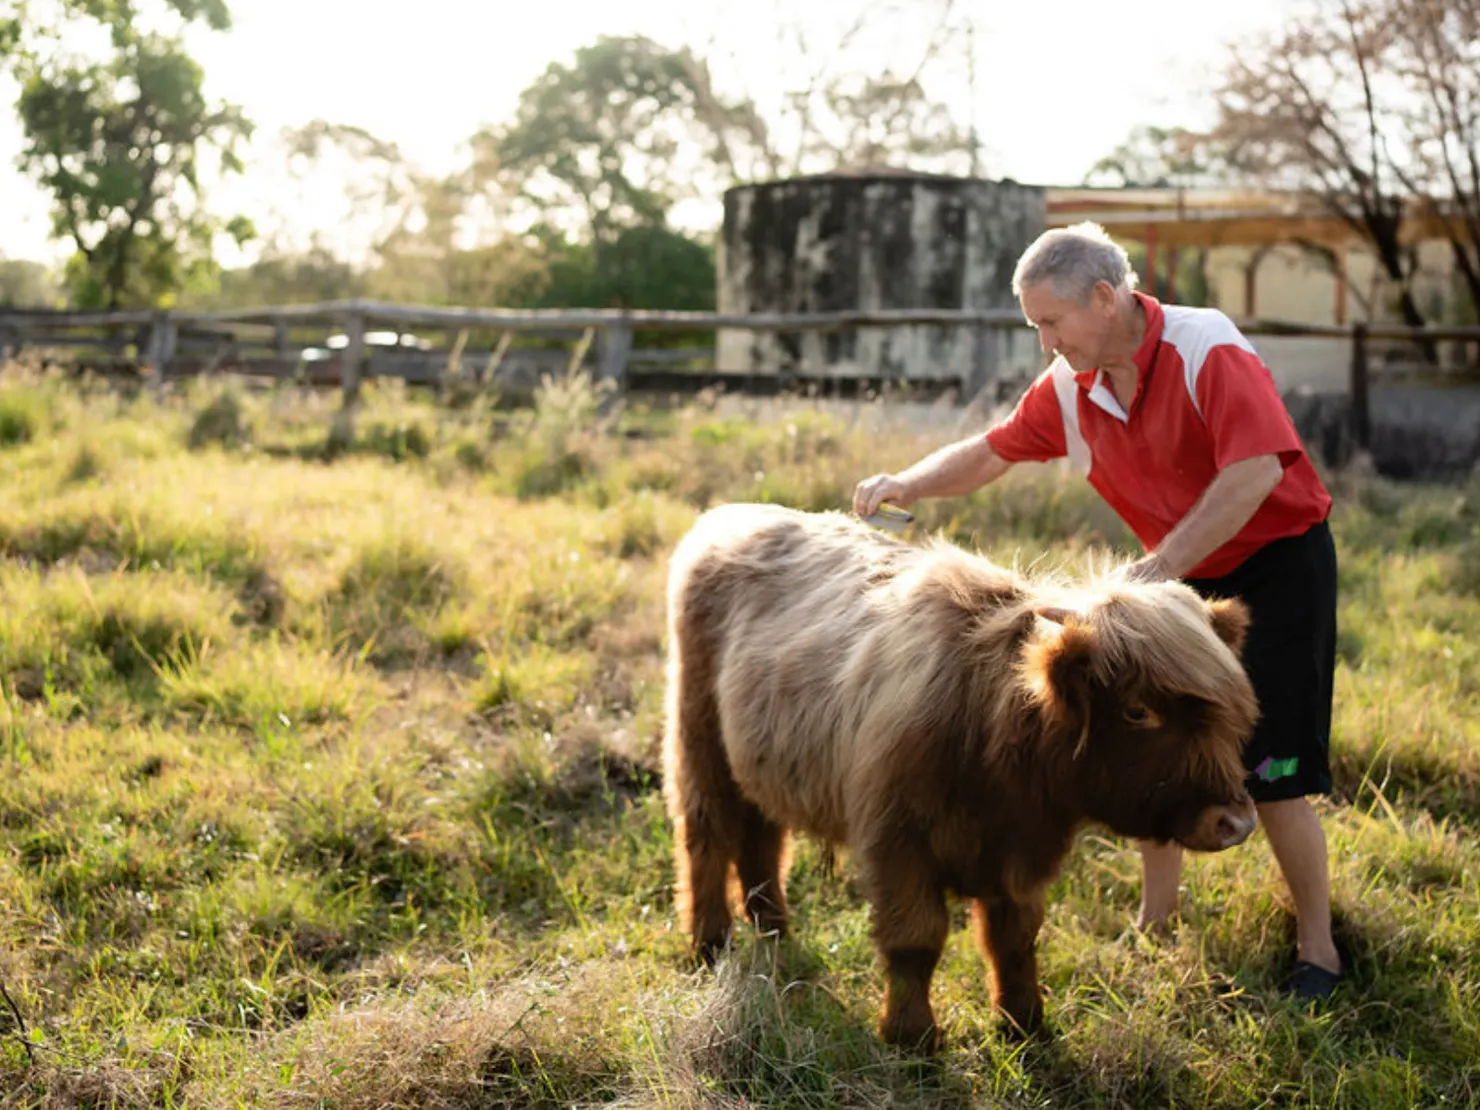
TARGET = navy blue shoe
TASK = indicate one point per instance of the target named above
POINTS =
(1311, 983)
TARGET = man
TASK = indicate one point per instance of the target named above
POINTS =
(1179, 426)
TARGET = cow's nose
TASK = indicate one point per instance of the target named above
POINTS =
(1234, 828)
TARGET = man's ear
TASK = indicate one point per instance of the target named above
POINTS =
(1230, 622)
(1058, 670)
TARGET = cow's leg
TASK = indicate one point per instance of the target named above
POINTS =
(705, 805)
(762, 870)
(1007, 931)
(910, 927)
(705, 852)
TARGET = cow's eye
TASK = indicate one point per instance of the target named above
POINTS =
(1141, 717)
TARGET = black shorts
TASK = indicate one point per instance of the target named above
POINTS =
(1290, 655)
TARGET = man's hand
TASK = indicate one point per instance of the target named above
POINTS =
(1223, 509)
(873, 492)
(1151, 568)
(954, 469)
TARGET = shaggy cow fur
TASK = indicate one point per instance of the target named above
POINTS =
(950, 722)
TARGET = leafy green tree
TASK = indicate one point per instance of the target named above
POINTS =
(630, 127)
(619, 135)
(279, 277)
(118, 143)
(642, 268)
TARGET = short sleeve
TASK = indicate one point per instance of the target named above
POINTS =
(1243, 410)
(1034, 430)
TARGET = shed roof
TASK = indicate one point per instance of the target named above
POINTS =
(1216, 217)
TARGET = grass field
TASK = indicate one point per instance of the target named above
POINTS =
(330, 780)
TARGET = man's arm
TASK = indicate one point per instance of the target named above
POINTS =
(1224, 508)
(956, 469)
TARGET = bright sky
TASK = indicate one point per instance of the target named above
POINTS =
(1060, 83)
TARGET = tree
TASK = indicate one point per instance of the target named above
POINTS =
(437, 254)
(1161, 158)
(1370, 107)
(876, 123)
(656, 268)
(416, 237)
(603, 148)
(844, 115)
(284, 277)
(642, 268)
(617, 136)
(382, 189)
(118, 143)
(1438, 55)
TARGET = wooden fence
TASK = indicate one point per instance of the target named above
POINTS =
(342, 343)
(433, 345)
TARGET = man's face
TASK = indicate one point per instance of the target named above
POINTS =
(1076, 331)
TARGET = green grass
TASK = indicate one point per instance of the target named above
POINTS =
(330, 781)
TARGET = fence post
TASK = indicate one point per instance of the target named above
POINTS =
(613, 348)
(162, 337)
(352, 360)
(342, 427)
(1361, 406)
(984, 360)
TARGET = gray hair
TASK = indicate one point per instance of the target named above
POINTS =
(1075, 259)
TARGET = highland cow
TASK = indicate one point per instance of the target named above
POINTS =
(950, 722)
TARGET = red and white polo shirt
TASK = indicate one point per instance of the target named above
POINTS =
(1203, 400)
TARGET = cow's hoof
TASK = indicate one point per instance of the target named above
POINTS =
(1017, 1029)
(708, 952)
(924, 1040)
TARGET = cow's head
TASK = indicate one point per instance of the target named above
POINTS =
(1142, 693)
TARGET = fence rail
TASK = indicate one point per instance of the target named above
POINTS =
(293, 341)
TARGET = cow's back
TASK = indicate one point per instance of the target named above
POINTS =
(787, 605)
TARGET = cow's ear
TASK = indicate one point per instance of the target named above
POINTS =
(1061, 664)
(1230, 622)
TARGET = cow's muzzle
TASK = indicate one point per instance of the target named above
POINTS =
(1220, 827)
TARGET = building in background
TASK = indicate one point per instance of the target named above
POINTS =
(1263, 254)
